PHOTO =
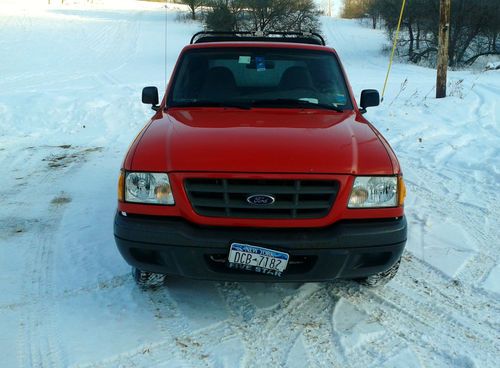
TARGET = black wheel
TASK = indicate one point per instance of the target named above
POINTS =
(382, 278)
(148, 280)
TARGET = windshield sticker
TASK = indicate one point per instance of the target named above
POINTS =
(245, 59)
(311, 100)
(260, 63)
(340, 99)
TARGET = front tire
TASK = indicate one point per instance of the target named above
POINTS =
(148, 280)
(381, 278)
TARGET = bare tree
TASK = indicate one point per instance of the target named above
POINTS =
(193, 6)
(263, 15)
(474, 28)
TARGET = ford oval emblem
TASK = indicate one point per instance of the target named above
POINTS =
(260, 199)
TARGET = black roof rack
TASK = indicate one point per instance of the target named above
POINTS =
(293, 37)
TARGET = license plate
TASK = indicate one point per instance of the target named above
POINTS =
(257, 259)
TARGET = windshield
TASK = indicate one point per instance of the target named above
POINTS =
(260, 77)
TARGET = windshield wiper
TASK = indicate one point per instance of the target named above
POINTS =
(290, 102)
(207, 103)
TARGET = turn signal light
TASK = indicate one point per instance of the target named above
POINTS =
(402, 191)
(121, 186)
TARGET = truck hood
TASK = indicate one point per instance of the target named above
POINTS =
(260, 141)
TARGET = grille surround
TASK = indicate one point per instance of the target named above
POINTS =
(294, 198)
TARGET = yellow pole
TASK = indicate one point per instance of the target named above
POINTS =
(394, 47)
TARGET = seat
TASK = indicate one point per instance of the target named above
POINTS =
(219, 85)
(296, 77)
(192, 82)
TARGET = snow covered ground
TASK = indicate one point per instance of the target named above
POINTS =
(70, 82)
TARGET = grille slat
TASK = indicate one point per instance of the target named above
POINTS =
(226, 198)
(281, 205)
(294, 199)
(204, 188)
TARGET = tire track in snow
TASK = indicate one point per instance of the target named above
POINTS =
(179, 342)
(469, 217)
(253, 326)
(103, 285)
(42, 346)
(124, 38)
(321, 341)
(116, 41)
(426, 283)
(485, 107)
(175, 328)
(306, 317)
(242, 315)
(39, 344)
(376, 353)
(45, 73)
(160, 353)
(424, 324)
(269, 334)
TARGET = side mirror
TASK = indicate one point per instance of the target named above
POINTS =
(150, 97)
(369, 98)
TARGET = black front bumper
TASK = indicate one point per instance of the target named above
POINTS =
(348, 249)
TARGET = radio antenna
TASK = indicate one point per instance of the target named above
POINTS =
(166, 34)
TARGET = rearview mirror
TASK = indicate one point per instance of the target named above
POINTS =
(150, 97)
(369, 97)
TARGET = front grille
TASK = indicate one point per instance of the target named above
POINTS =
(294, 199)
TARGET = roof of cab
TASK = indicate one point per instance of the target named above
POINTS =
(257, 44)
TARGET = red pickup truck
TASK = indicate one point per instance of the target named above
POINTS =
(258, 165)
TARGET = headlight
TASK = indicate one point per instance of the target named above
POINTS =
(151, 188)
(375, 191)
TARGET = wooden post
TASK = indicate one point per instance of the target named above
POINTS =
(444, 40)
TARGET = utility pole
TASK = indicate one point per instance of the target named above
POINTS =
(444, 40)
(329, 8)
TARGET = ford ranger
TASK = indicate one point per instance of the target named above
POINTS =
(258, 165)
